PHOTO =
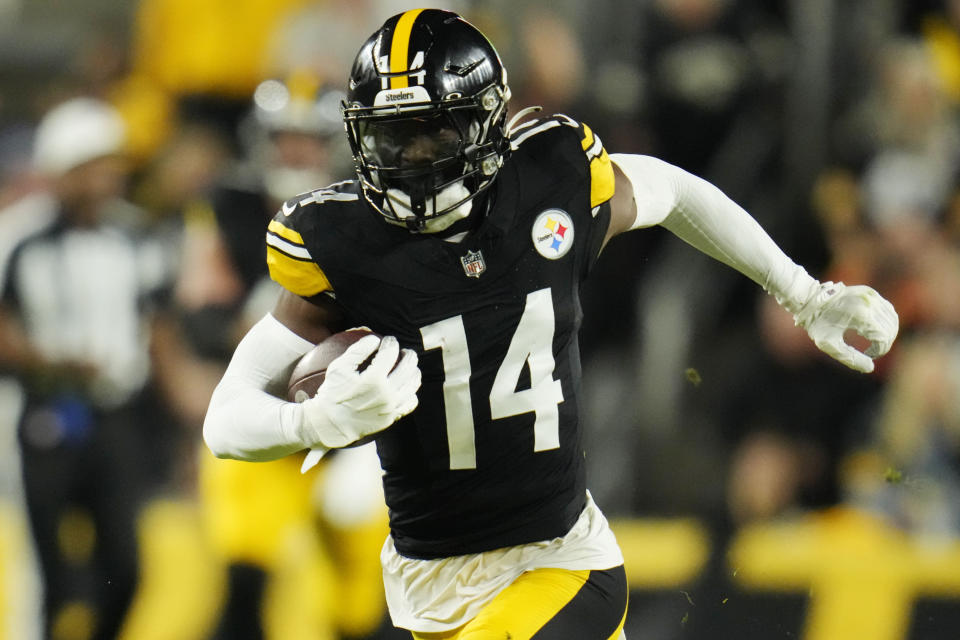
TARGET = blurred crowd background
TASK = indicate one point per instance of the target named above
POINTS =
(759, 489)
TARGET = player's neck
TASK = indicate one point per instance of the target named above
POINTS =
(462, 228)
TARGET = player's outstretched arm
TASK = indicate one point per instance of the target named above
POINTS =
(700, 214)
(246, 419)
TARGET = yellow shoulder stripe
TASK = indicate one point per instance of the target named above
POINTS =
(297, 276)
(285, 232)
(587, 140)
(601, 179)
(601, 171)
(291, 265)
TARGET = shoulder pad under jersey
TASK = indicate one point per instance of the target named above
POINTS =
(601, 169)
(288, 247)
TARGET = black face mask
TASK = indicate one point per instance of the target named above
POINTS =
(410, 143)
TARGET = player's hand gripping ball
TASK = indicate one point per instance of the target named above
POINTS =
(311, 369)
(352, 386)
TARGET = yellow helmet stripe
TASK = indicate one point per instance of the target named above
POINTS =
(399, 48)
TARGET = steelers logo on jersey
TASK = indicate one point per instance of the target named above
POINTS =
(552, 234)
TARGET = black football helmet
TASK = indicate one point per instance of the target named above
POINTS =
(425, 115)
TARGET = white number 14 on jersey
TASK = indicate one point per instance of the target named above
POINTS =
(532, 343)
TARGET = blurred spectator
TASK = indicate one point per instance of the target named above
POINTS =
(918, 439)
(908, 131)
(709, 66)
(194, 63)
(541, 48)
(256, 514)
(321, 37)
(909, 469)
(75, 307)
(940, 30)
(904, 107)
(914, 126)
(294, 144)
(789, 443)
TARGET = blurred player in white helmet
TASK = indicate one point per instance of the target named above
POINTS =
(255, 514)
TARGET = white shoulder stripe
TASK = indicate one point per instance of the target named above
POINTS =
(294, 250)
(596, 148)
(549, 124)
(322, 195)
(523, 125)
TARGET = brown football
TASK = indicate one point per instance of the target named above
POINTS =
(310, 370)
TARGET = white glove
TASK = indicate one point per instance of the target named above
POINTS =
(352, 404)
(835, 308)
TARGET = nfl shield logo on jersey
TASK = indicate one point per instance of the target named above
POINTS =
(473, 264)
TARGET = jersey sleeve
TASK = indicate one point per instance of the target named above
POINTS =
(595, 155)
(602, 183)
(601, 188)
(601, 170)
(289, 259)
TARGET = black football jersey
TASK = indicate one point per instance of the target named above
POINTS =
(492, 457)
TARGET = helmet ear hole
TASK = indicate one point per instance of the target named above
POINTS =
(490, 100)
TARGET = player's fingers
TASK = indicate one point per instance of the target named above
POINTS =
(890, 319)
(385, 358)
(841, 351)
(408, 385)
(406, 367)
(880, 342)
(876, 310)
(406, 376)
(859, 361)
(356, 353)
(407, 406)
(883, 331)
(881, 339)
(878, 348)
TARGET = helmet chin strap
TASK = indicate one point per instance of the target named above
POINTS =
(400, 203)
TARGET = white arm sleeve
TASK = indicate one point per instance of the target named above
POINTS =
(700, 214)
(245, 421)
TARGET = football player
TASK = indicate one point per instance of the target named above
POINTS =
(464, 241)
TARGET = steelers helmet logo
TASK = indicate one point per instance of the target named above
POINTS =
(553, 234)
